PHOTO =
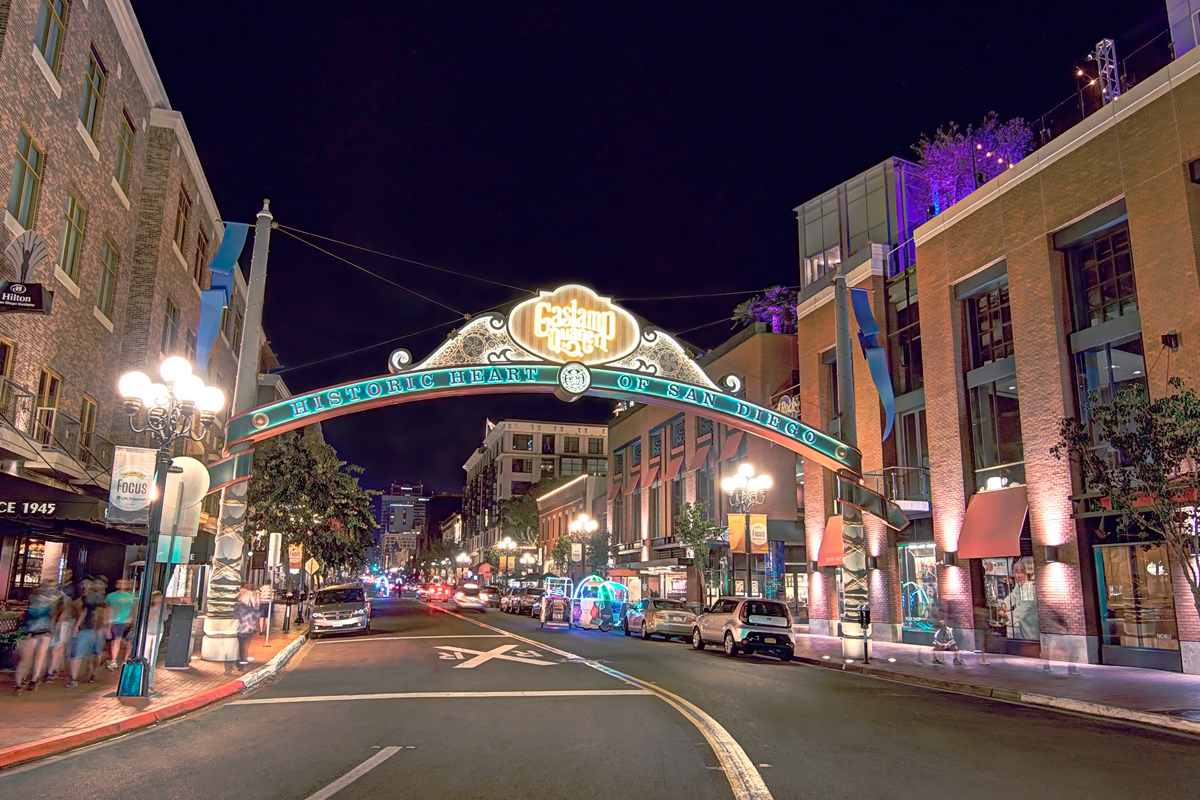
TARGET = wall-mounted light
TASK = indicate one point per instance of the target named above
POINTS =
(872, 562)
(950, 559)
(814, 566)
(1051, 553)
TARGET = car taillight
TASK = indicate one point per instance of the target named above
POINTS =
(744, 615)
(459, 596)
(483, 596)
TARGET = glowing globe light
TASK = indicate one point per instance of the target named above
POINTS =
(133, 384)
(175, 368)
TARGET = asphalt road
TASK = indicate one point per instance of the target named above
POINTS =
(434, 705)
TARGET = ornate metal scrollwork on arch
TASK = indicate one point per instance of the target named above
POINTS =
(660, 355)
(482, 342)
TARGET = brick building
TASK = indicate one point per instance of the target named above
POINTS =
(97, 162)
(1055, 279)
(661, 459)
(562, 505)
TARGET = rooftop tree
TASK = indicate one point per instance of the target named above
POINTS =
(954, 159)
(776, 306)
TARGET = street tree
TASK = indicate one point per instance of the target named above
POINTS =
(301, 489)
(1142, 456)
(695, 531)
(519, 515)
(560, 554)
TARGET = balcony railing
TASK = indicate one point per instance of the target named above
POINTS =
(56, 430)
(16, 406)
(908, 487)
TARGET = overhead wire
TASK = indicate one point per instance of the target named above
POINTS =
(696, 296)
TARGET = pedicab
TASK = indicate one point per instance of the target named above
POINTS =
(598, 604)
(556, 605)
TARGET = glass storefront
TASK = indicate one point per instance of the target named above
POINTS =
(918, 590)
(1011, 596)
(1137, 608)
(795, 590)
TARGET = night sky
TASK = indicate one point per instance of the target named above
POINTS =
(646, 149)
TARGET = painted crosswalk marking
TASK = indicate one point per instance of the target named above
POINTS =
(483, 656)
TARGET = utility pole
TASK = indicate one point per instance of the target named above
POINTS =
(229, 553)
(854, 559)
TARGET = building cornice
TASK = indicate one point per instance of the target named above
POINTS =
(167, 118)
(139, 54)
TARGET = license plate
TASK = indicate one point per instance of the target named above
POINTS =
(769, 640)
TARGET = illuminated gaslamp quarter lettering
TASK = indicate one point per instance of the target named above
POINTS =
(574, 332)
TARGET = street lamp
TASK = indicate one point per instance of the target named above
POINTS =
(582, 524)
(463, 560)
(528, 560)
(506, 546)
(172, 411)
(745, 490)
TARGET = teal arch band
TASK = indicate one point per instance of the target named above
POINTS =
(385, 390)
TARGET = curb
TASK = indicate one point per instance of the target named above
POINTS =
(1064, 704)
(20, 753)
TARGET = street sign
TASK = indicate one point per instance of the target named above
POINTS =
(311, 566)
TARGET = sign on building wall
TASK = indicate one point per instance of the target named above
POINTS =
(131, 486)
(22, 256)
(573, 323)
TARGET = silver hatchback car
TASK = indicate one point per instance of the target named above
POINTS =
(750, 625)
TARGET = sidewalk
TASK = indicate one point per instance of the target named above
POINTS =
(1149, 697)
(54, 718)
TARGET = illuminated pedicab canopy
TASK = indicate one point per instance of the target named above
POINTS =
(597, 600)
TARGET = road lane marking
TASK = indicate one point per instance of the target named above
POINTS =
(405, 638)
(354, 774)
(743, 776)
(484, 656)
(329, 698)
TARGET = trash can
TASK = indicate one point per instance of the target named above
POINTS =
(179, 636)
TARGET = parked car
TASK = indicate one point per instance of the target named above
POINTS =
(526, 599)
(470, 598)
(493, 596)
(656, 616)
(747, 625)
(340, 609)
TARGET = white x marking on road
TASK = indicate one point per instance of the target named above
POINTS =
(481, 656)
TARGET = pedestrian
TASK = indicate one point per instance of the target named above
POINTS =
(246, 611)
(64, 625)
(153, 633)
(265, 595)
(121, 604)
(89, 632)
(38, 629)
(944, 642)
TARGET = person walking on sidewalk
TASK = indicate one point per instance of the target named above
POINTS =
(246, 612)
(89, 632)
(64, 625)
(121, 605)
(265, 595)
(38, 628)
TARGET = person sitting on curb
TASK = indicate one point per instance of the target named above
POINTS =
(944, 642)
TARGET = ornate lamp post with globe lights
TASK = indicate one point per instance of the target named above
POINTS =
(745, 490)
(506, 547)
(181, 407)
(586, 525)
(463, 561)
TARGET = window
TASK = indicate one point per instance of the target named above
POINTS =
(704, 489)
(597, 466)
(904, 334)
(572, 467)
(108, 280)
(1106, 369)
(52, 21)
(618, 531)
(87, 427)
(570, 444)
(918, 586)
(522, 441)
(1136, 597)
(990, 323)
(72, 238)
(996, 434)
(189, 345)
(26, 180)
(704, 427)
(619, 465)
(656, 510)
(635, 514)
(123, 167)
(547, 444)
(519, 488)
(49, 388)
(522, 465)
(635, 458)
(595, 446)
(821, 233)
(1102, 285)
(656, 445)
(8, 354)
(170, 331)
(93, 95)
(235, 337)
(676, 501)
(829, 359)
(678, 437)
(199, 263)
(547, 467)
(182, 211)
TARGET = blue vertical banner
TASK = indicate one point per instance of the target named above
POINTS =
(870, 338)
(215, 300)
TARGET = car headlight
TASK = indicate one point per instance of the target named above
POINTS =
(318, 615)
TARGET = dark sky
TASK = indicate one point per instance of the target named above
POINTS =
(646, 149)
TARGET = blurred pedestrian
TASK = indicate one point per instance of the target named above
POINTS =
(89, 632)
(153, 633)
(121, 607)
(38, 629)
(265, 595)
(944, 642)
(64, 625)
(246, 611)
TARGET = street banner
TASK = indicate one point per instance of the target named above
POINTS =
(737, 533)
(295, 558)
(576, 552)
(131, 485)
(274, 546)
(758, 533)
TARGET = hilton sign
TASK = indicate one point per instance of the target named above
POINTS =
(573, 323)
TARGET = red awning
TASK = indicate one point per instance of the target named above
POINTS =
(993, 523)
(651, 477)
(614, 489)
(701, 456)
(672, 470)
(632, 484)
(732, 443)
(830, 554)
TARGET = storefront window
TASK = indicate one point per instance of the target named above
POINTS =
(1011, 597)
(918, 585)
(27, 567)
(1136, 597)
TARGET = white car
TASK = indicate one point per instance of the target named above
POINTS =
(746, 625)
(470, 598)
